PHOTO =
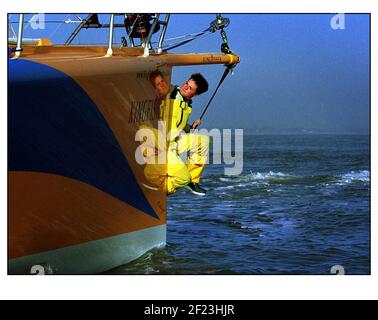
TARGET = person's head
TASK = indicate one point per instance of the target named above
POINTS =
(159, 83)
(195, 86)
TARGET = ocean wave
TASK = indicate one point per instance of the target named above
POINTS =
(280, 178)
(227, 187)
(268, 175)
(255, 176)
(355, 176)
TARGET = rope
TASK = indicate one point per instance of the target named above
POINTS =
(181, 37)
(29, 21)
(187, 41)
(59, 25)
(132, 27)
(11, 27)
(226, 72)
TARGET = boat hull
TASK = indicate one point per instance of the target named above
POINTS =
(77, 201)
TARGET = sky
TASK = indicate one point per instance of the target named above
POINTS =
(296, 73)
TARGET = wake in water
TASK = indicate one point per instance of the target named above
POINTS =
(274, 178)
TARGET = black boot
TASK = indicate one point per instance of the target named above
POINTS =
(196, 189)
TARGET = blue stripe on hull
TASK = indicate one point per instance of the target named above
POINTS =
(55, 127)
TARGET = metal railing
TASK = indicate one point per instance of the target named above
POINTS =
(19, 36)
(141, 26)
(90, 22)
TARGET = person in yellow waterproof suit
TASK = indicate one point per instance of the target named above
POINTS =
(176, 109)
(179, 109)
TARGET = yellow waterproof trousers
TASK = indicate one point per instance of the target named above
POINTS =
(179, 173)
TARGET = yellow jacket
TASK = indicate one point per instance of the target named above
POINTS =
(176, 114)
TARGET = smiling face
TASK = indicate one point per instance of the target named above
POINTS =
(161, 86)
(188, 89)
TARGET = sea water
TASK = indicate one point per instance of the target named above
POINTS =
(301, 206)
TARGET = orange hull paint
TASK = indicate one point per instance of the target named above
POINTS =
(49, 212)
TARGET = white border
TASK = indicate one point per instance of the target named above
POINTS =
(183, 287)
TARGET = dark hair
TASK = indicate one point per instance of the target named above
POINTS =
(202, 85)
(155, 74)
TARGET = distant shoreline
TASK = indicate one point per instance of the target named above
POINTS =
(298, 133)
(305, 133)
